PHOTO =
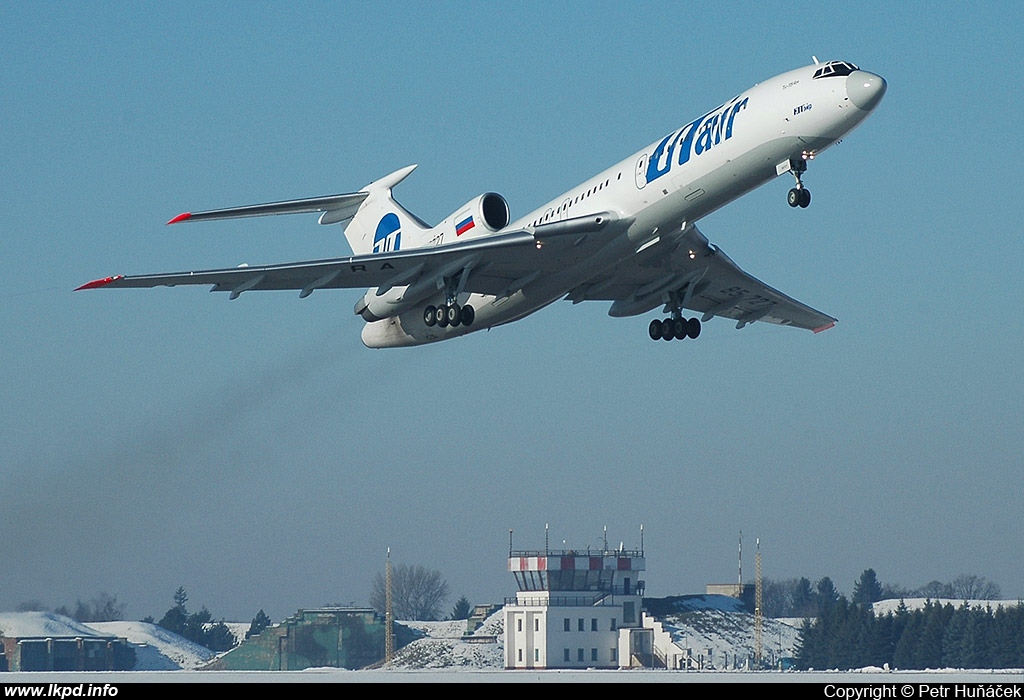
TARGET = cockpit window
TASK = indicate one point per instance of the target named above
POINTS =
(833, 69)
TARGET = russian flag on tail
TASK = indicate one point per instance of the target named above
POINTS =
(464, 225)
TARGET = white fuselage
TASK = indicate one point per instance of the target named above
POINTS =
(676, 180)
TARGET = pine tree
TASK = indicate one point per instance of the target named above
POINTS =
(909, 624)
(218, 637)
(929, 648)
(867, 590)
(803, 599)
(884, 642)
(259, 623)
(462, 609)
(198, 626)
(826, 595)
(955, 641)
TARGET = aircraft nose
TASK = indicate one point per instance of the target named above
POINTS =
(865, 89)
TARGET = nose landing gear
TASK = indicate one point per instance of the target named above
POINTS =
(799, 196)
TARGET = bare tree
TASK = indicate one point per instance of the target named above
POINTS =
(934, 590)
(417, 592)
(973, 587)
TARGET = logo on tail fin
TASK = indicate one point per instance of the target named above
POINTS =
(389, 234)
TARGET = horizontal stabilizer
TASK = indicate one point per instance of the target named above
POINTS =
(335, 208)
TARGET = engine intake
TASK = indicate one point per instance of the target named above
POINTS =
(480, 216)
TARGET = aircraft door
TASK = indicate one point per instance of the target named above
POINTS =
(640, 174)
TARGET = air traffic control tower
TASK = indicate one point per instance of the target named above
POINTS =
(573, 609)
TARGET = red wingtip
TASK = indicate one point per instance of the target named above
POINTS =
(180, 217)
(825, 327)
(96, 284)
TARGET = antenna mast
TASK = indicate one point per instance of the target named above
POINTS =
(758, 615)
(739, 578)
(389, 633)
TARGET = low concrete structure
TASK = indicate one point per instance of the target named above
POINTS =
(40, 641)
(341, 637)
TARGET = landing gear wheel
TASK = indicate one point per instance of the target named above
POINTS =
(442, 317)
(668, 331)
(794, 197)
(693, 328)
(452, 314)
(655, 329)
(430, 316)
(680, 328)
(805, 198)
(467, 315)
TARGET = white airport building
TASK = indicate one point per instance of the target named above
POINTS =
(577, 609)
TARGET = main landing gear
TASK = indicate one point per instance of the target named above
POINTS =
(675, 328)
(799, 196)
(449, 315)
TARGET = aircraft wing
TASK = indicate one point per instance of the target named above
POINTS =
(713, 284)
(498, 264)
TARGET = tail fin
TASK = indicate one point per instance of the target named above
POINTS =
(381, 224)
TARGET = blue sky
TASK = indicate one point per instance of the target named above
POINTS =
(254, 452)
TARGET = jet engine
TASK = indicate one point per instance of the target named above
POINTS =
(481, 216)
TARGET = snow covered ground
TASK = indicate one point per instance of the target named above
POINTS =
(445, 646)
(156, 649)
(720, 634)
(41, 624)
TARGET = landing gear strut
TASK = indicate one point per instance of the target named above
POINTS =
(799, 196)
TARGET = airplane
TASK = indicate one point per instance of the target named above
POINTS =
(625, 236)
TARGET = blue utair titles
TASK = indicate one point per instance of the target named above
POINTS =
(697, 137)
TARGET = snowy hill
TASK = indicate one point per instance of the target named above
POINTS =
(445, 645)
(156, 649)
(43, 624)
(720, 633)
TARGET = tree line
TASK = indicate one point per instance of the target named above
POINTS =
(798, 597)
(102, 608)
(849, 635)
(198, 626)
(846, 634)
